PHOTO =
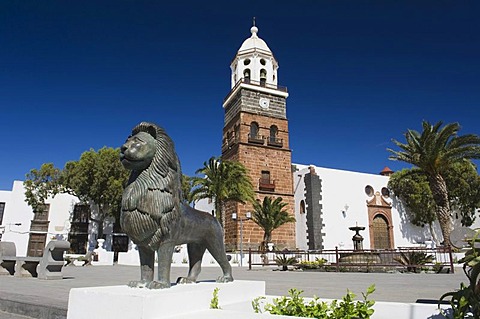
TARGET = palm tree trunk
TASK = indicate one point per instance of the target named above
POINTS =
(440, 196)
(267, 238)
(222, 215)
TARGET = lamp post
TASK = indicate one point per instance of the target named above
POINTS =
(248, 216)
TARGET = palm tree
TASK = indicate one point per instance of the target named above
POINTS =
(435, 151)
(222, 181)
(187, 189)
(270, 215)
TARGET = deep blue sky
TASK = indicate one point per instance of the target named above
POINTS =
(76, 75)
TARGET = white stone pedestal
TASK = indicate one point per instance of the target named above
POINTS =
(180, 301)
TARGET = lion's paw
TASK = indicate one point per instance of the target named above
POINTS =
(225, 279)
(158, 285)
(137, 284)
(185, 280)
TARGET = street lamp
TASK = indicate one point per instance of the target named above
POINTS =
(248, 216)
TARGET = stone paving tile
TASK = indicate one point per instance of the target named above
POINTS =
(396, 287)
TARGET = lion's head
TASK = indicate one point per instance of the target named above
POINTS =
(151, 200)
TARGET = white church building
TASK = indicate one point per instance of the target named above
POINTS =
(326, 202)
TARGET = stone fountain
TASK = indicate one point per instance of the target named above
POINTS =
(359, 256)
(357, 238)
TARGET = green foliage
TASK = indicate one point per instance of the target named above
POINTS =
(285, 261)
(222, 181)
(98, 177)
(318, 263)
(465, 302)
(463, 185)
(411, 186)
(214, 302)
(435, 151)
(413, 259)
(41, 184)
(295, 305)
(257, 308)
(269, 215)
(436, 148)
(187, 189)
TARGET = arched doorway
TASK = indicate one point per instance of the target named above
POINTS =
(380, 221)
(381, 235)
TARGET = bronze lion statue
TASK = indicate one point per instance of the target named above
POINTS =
(153, 215)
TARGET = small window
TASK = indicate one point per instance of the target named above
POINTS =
(246, 62)
(273, 132)
(385, 192)
(273, 139)
(266, 176)
(263, 77)
(263, 62)
(246, 75)
(237, 131)
(263, 73)
(265, 183)
(254, 130)
(369, 190)
(2, 209)
(302, 207)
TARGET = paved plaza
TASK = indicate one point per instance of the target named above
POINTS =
(49, 298)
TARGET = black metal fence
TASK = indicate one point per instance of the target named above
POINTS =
(411, 259)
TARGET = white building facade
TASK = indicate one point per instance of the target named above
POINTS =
(329, 201)
(30, 232)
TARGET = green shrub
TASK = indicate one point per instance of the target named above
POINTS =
(295, 305)
(285, 261)
(413, 259)
(318, 263)
(214, 301)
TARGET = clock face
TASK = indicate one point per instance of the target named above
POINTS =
(264, 103)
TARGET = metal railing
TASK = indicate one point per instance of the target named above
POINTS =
(257, 139)
(338, 260)
(266, 184)
(274, 141)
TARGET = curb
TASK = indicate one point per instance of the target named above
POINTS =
(32, 310)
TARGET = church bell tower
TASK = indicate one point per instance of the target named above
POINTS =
(255, 133)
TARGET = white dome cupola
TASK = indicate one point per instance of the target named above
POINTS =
(254, 63)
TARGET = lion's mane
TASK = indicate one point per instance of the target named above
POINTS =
(151, 202)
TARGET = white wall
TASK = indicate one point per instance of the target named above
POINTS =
(341, 188)
(17, 211)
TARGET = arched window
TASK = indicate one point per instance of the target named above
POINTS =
(263, 77)
(381, 234)
(246, 75)
(254, 130)
(302, 207)
(237, 131)
(229, 138)
(273, 133)
(254, 135)
(273, 139)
